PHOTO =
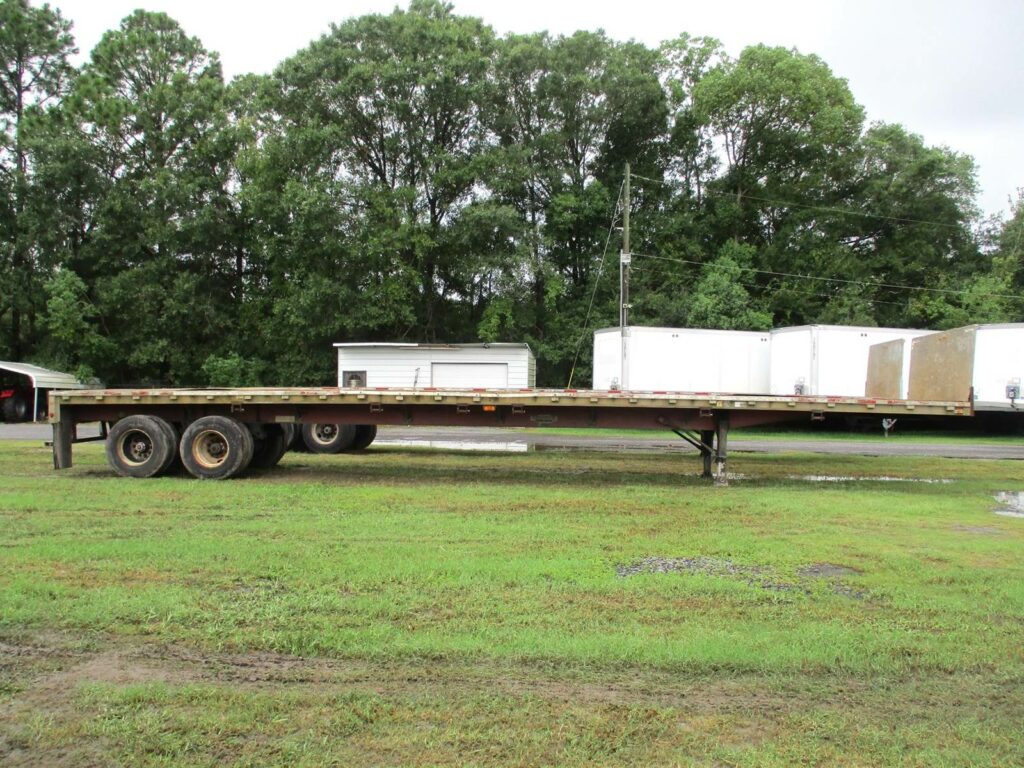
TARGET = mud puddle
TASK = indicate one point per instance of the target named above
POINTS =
(875, 479)
(1011, 504)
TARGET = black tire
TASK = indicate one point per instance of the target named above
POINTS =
(140, 446)
(298, 444)
(271, 445)
(365, 434)
(216, 448)
(290, 433)
(16, 408)
(173, 465)
(328, 438)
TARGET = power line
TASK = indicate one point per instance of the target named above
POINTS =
(826, 295)
(597, 281)
(869, 283)
(789, 289)
(824, 208)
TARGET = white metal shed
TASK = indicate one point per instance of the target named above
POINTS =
(683, 360)
(476, 366)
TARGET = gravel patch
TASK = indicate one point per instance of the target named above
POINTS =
(754, 575)
(826, 571)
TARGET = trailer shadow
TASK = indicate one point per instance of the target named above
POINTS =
(404, 466)
(575, 468)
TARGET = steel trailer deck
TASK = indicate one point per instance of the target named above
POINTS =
(701, 418)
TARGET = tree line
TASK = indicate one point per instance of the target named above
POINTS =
(414, 176)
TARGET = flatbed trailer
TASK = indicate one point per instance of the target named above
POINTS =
(213, 431)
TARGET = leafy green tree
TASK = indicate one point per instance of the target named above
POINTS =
(721, 299)
(72, 337)
(916, 209)
(570, 112)
(156, 249)
(690, 152)
(788, 129)
(393, 103)
(1008, 261)
(35, 43)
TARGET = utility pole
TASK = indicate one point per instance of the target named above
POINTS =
(624, 260)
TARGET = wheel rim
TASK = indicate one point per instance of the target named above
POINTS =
(325, 434)
(210, 449)
(135, 447)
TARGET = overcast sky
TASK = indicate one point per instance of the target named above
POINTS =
(949, 70)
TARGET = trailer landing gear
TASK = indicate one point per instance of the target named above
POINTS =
(713, 445)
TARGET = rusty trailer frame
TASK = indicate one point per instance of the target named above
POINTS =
(702, 419)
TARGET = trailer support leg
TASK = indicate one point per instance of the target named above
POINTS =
(703, 441)
(707, 439)
(721, 449)
(63, 437)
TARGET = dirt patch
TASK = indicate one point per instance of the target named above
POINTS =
(753, 575)
(845, 590)
(834, 573)
(826, 571)
(122, 663)
(981, 530)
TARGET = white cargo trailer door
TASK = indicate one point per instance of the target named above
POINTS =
(478, 375)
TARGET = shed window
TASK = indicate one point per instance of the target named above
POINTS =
(354, 378)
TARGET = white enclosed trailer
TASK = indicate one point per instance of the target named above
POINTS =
(683, 360)
(987, 360)
(491, 366)
(827, 359)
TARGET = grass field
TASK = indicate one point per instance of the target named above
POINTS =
(421, 608)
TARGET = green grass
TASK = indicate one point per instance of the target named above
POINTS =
(413, 607)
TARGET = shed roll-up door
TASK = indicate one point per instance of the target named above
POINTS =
(480, 375)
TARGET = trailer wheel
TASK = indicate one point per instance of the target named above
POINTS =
(173, 435)
(16, 407)
(270, 446)
(216, 447)
(365, 434)
(297, 444)
(140, 446)
(328, 438)
(290, 431)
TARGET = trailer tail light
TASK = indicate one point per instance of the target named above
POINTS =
(490, 408)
